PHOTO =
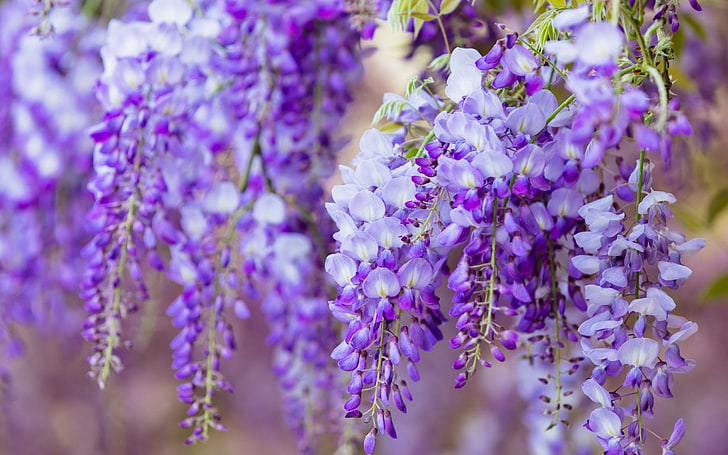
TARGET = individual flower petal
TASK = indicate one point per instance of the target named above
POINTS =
(596, 393)
(639, 352)
(588, 265)
(605, 423)
(654, 198)
(415, 274)
(381, 282)
(657, 303)
(670, 271)
(465, 78)
(366, 206)
(341, 268)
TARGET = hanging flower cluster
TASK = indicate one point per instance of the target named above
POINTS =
(520, 182)
(521, 186)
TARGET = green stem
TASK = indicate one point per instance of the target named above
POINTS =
(442, 27)
(557, 328)
(638, 199)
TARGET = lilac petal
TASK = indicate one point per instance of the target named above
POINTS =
(366, 206)
(653, 198)
(360, 245)
(519, 61)
(458, 174)
(670, 271)
(415, 274)
(399, 191)
(371, 173)
(381, 282)
(528, 119)
(529, 161)
(341, 350)
(370, 440)
(690, 247)
(493, 164)
(639, 352)
(341, 268)
(686, 330)
(601, 321)
(656, 303)
(563, 51)
(678, 432)
(569, 18)
(605, 423)
(565, 202)
(615, 275)
(387, 232)
(373, 145)
(596, 393)
(171, 11)
(588, 265)
(589, 241)
(465, 78)
(484, 103)
(647, 138)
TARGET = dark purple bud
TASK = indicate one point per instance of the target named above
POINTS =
(509, 339)
(350, 362)
(497, 354)
(353, 402)
(356, 384)
(355, 414)
(491, 59)
(361, 338)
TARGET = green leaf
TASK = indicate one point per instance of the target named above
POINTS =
(717, 205)
(718, 288)
(411, 86)
(448, 6)
(422, 16)
(419, 7)
(391, 127)
(389, 109)
(440, 62)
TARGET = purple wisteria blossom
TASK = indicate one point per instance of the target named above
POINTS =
(512, 179)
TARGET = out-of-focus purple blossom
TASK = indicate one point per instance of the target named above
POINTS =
(46, 102)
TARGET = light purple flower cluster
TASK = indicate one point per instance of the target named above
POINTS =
(292, 69)
(387, 278)
(518, 180)
(45, 106)
(637, 263)
(145, 158)
(220, 126)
